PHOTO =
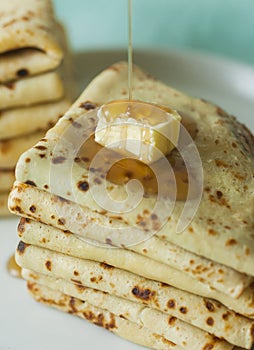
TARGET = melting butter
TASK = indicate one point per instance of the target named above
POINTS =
(138, 129)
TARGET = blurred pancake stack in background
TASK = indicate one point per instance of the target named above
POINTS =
(32, 75)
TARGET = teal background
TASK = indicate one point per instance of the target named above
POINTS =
(224, 27)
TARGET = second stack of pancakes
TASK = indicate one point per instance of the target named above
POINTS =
(32, 93)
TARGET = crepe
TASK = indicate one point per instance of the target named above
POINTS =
(22, 121)
(28, 39)
(160, 323)
(10, 150)
(7, 178)
(222, 228)
(149, 265)
(203, 313)
(115, 324)
(4, 204)
(42, 88)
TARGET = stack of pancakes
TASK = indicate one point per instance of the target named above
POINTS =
(32, 95)
(191, 290)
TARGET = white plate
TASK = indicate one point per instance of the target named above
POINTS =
(26, 325)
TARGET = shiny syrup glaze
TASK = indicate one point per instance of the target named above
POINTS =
(12, 267)
(126, 169)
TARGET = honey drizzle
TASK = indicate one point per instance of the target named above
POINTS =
(130, 50)
(13, 268)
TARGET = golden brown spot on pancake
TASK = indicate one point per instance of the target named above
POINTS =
(76, 281)
(164, 340)
(52, 217)
(143, 294)
(72, 305)
(43, 240)
(23, 72)
(212, 232)
(87, 105)
(12, 21)
(31, 183)
(76, 124)
(106, 266)
(183, 310)
(171, 320)
(100, 320)
(89, 315)
(61, 221)
(22, 224)
(17, 209)
(219, 194)
(226, 315)
(48, 265)
(112, 285)
(171, 304)
(58, 160)
(231, 242)
(83, 186)
(32, 208)
(27, 160)
(190, 229)
(154, 217)
(75, 273)
(60, 199)
(210, 321)
(208, 347)
(221, 163)
(41, 148)
(210, 307)
(144, 251)
(46, 187)
(247, 251)
(109, 241)
(80, 287)
(22, 247)
(96, 279)
(192, 262)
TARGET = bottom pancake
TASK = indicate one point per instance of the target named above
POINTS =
(100, 317)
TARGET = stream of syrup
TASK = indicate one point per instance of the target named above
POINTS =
(130, 50)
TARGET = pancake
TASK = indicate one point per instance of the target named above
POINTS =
(29, 42)
(117, 325)
(3, 204)
(38, 89)
(169, 327)
(10, 150)
(22, 121)
(7, 178)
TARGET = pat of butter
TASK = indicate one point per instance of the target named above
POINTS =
(138, 129)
